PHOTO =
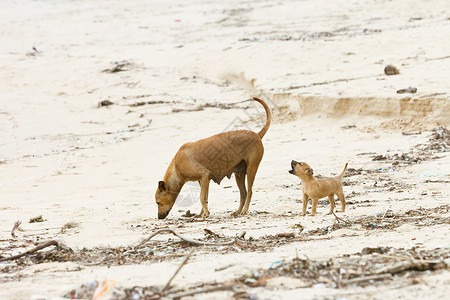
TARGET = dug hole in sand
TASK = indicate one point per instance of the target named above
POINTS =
(97, 97)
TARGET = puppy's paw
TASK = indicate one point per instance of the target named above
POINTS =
(204, 214)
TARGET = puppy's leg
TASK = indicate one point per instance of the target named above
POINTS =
(305, 204)
(333, 204)
(240, 181)
(342, 198)
(314, 206)
(204, 185)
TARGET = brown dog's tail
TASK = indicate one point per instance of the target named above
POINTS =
(268, 114)
(342, 173)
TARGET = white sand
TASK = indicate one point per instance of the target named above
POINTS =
(322, 65)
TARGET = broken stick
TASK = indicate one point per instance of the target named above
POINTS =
(37, 248)
(202, 291)
(232, 241)
(339, 219)
(367, 278)
(418, 265)
(16, 225)
(166, 287)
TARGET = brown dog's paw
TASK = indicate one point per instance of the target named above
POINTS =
(236, 213)
(244, 210)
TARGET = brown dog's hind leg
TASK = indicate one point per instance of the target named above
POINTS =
(251, 174)
(240, 181)
(204, 185)
(342, 198)
(333, 204)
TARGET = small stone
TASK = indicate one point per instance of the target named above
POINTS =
(391, 70)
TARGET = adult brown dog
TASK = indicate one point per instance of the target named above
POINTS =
(318, 188)
(220, 155)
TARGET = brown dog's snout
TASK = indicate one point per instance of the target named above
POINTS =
(162, 215)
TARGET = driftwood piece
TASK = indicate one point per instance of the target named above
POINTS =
(231, 242)
(418, 265)
(37, 248)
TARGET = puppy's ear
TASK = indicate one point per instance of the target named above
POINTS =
(162, 186)
(310, 171)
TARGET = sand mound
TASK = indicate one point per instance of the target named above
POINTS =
(406, 109)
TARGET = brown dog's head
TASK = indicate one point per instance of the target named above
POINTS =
(164, 199)
(301, 169)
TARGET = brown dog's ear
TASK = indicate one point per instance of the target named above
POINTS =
(162, 186)
(310, 171)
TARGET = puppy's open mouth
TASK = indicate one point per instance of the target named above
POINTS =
(291, 171)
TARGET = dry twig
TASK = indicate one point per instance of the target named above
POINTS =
(339, 219)
(232, 241)
(202, 291)
(166, 287)
(384, 215)
(37, 248)
(16, 225)
(367, 278)
(241, 235)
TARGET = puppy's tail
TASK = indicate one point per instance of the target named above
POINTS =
(269, 117)
(342, 173)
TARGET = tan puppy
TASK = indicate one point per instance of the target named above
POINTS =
(220, 155)
(318, 188)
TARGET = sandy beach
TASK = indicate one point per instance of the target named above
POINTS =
(96, 97)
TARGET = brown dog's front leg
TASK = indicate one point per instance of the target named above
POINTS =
(305, 204)
(204, 185)
(314, 206)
